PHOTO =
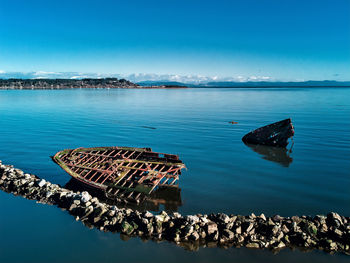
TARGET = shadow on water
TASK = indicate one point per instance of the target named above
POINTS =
(167, 196)
(274, 154)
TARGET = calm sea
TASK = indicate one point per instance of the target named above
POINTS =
(223, 174)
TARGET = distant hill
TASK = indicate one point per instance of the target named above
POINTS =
(311, 83)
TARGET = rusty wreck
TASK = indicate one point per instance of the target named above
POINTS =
(123, 173)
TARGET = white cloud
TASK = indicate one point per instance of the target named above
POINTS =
(42, 73)
(135, 77)
(79, 77)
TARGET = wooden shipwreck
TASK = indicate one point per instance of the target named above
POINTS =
(124, 173)
(275, 134)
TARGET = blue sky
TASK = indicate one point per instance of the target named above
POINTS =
(276, 40)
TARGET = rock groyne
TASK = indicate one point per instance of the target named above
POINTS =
(330, 233)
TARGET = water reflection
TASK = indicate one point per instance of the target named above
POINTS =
(274, 154)
(166, 198)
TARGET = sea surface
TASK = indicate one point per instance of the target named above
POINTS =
(223, 174)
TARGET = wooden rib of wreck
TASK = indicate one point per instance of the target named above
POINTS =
(275, 134)
(124, 173)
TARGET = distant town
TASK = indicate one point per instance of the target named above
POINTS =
(105, 83)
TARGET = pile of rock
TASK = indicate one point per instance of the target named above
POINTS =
(330, 233)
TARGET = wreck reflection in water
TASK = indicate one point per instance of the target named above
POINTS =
(168, 196)
(274, 154)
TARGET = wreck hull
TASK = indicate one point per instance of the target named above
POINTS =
(275, 134)
(124, 173)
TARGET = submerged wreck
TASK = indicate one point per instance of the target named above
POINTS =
(124, 173)
(275, 134)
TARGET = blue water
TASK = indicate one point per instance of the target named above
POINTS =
(223, 174)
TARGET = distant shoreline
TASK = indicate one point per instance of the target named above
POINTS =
(91, 87)
(114, 83)
(263, 87)
(56, 84)
(168, 87)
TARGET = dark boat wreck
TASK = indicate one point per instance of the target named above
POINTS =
(124, 173)
(275, 134)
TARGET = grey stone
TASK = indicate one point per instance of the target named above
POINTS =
(335, 216)
(253, 245)
(23, 181)
(280, 236)
(192, 219)
(100, 210)
(333, 246)
(228, 234)
(194, 236)
(88, 210)
(111, 213)
(147, 215)
(213, 237)
(270, 222)
(277, 218)
(281, 245)
(252, 216)
(212, 227)
(177, 215)
(42, 183)
(223, 218)
(249, 228)
(127, 228)
(240, 239)
(72, 207)
(163, 217)
(94, 200)
(202, 233)
(296, 219)
(311, 228)
(113, 220)
(177, 237)
(324, 228)
(275, 230)
(85, 197)
(286, 238)
(338, 233)
(262, 216)
(188, 230)
(285, 229)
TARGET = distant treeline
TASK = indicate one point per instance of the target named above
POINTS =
(65, 83)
